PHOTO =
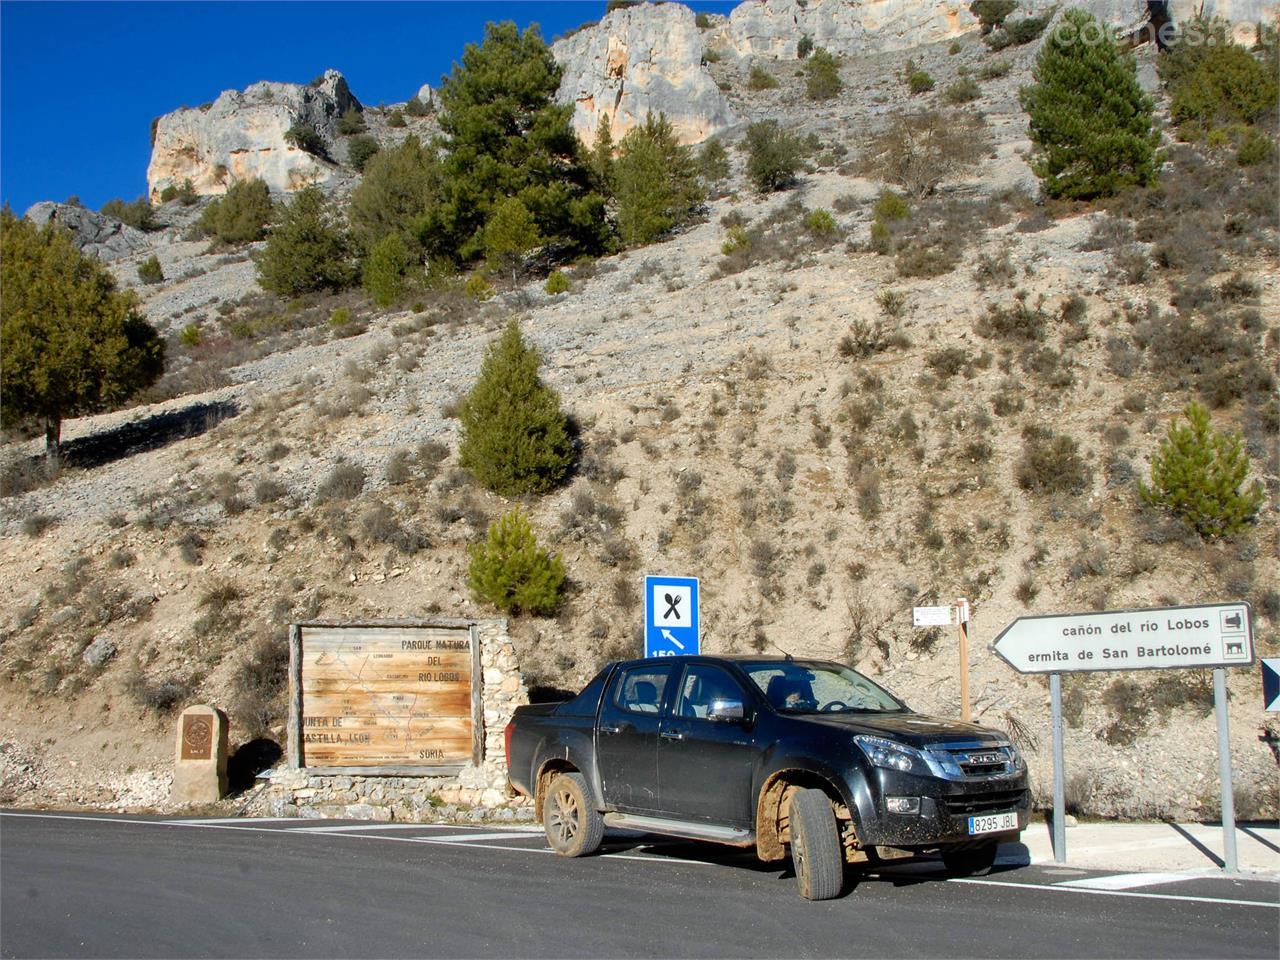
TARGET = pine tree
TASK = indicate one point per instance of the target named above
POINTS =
(507, 137)
(241, 215)
(515, 439)
(601, 159)
(1091, 124)
(73, 344)
(1196, 476)
(655, 182)
(822, 76)
(400, 188)
(384, 270)
(509, 235)
(510, 570)
(307, 250)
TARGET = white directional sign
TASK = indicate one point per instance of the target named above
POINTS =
(1213, 635)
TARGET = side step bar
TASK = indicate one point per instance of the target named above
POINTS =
(733, 836)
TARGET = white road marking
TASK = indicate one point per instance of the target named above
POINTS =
(1059, 888)
(361, 827)
(240, 820)
(470, 837)
(1127, 881)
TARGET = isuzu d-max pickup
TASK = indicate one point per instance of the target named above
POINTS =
(805, 757)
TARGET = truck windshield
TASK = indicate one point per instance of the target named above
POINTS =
(793, 687)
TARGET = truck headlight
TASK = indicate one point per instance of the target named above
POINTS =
(892, 756)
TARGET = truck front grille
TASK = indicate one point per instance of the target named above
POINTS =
(977, 804)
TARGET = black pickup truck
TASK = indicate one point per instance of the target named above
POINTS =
(768, 753)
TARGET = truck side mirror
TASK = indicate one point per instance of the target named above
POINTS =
(726, 711)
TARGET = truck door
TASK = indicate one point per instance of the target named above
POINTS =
(705, 767)
(627, 736)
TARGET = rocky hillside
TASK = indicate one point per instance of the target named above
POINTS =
(825, 434)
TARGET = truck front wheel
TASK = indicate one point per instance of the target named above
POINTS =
(815, 846)
(573, 824)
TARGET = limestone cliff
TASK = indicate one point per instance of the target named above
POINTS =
(641, 59)
(241, 135)
(773, 28)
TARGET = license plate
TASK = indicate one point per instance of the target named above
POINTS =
(993, 823)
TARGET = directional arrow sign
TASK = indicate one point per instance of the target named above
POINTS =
(1214, 635)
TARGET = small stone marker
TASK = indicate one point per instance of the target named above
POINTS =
(200, 760)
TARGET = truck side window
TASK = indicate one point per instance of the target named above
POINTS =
(701, 685)
(639, 689)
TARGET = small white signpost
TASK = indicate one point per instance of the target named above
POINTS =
(1160, 638)
(957, 615)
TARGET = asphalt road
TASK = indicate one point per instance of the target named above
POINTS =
(116, 886)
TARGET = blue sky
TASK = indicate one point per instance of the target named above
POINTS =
(80, 82)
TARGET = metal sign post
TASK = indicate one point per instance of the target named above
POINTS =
(1224, 773)
(1059, 772)
(1207, 635)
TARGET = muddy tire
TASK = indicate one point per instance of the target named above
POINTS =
(815, 846)
(974, 862)
(573, 824)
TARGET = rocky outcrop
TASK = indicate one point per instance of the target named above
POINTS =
(241, 135)
(641, 59)
(773, 28)
(93, 234)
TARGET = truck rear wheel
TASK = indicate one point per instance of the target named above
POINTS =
(815, 846)
(975, 861)
(573, 824)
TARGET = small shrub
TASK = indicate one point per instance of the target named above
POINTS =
(191, 336)
(1051, 464)
(557, 283)
(804, 47)
(478, 287)
(820, 222)
(385, 269)
(35, 524)
(761, 79)
(920, 150)
(344, 482)
(351, 122)
(702, 21)
(1196, 477)
(240, 215)
(396, 120)
(964, 90)
(1255, 148)
(991, 13)
(306, 138)
(994, 69)
(149, 270)
(268, 490)
(822, 77)
(1016, 321)
(773, 156)
(919, 81)
(510, 570)
(1016, 33)
(360, 150)
(892, 302)
(190, 544)
(948, 361)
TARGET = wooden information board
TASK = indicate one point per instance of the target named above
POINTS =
(384, 697)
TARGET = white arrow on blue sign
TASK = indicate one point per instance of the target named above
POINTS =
(670, 616)
(1271, 683)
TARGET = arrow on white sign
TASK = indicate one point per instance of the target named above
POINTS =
(666, 635)
(1216, 635)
